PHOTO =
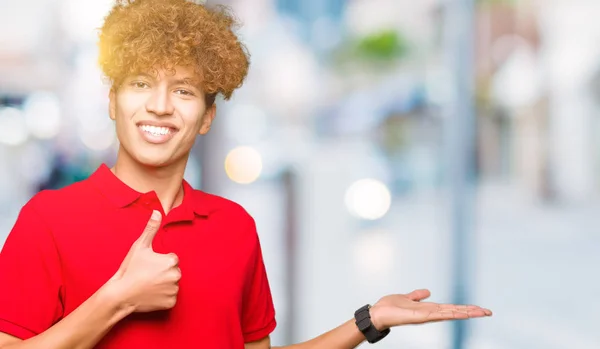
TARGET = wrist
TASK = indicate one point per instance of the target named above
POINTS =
(114, 293)
(376, 319)
(368, 320)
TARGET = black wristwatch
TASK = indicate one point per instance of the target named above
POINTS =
(363, 321)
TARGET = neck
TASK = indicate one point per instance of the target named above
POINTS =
(165, 181)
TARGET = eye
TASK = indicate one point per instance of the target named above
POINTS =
(184, 92)
(139, 84)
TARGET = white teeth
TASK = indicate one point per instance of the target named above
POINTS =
(155, 131)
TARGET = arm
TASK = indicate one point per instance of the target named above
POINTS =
(389, 311)
(145, 281)
(345, 336)
(83, 328)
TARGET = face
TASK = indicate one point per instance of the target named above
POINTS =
(158, 117)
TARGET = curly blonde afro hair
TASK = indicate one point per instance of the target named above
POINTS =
(141, 36)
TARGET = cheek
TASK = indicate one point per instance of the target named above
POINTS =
(125, 128)
(122, 123)
(129, 104)
(192, 128)
(192, 118)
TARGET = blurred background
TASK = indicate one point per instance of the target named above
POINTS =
(381, 145)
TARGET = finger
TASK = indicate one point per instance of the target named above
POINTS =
(177, 275)
(173, 260)
(462, 308)
(457, 307)
(447, 315)
(145, 240)
(458, 314)
(419, 295)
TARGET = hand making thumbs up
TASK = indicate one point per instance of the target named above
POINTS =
(149, 279)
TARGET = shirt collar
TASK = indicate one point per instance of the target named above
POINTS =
(122, 195)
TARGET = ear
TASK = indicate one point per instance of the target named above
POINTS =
(112, 96)
(207, 119)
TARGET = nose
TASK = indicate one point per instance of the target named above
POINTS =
(160, 102)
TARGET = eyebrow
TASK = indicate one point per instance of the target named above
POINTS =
(181, 81)
(145, 75)
(186, 81)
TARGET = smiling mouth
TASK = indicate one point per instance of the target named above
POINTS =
(157, 130)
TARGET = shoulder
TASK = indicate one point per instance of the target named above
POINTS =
(218, 205)
(54, 207)
(57, 200)
(225, 211)
(42, 211)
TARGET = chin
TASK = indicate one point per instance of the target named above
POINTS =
(153, 161)
(149, 157)
(152, 156)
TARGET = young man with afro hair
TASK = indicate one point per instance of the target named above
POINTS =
(133, 256)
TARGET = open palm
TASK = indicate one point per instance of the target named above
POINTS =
(404, 309)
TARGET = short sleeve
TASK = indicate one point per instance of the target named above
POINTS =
(30, 278)
(258, 318)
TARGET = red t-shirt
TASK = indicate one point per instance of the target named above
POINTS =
(67, 243)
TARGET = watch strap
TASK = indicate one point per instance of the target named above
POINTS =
(365, 325)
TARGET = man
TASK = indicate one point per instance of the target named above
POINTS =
(133, 257)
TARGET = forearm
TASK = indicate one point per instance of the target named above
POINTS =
(84, 327)
(346, 336)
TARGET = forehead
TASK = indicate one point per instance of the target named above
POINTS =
(178, 73)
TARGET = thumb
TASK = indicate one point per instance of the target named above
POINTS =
(145, 240)
(419, 295)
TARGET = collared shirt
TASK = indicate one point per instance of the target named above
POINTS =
(67, 243)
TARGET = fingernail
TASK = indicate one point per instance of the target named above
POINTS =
(156, 215)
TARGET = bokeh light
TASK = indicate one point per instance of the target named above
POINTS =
(368, 199)
(42, 115)
(13, 130)
(243, 165)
